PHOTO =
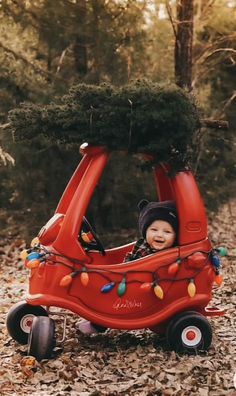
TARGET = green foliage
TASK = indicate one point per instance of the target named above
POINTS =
(31, 189)
(20, 77)
(139, 117)
(44, 47)
(215, 43)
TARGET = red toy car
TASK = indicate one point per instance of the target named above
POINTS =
(167, 292)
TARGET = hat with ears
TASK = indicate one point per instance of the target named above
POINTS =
(151, 211)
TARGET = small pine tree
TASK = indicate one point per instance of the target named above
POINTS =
(139, 117)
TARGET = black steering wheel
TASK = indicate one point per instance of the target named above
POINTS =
(97, 244)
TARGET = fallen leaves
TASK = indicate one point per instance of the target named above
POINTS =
(28, 363)
(121, 362)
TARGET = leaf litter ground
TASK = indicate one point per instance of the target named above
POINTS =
(122, 362)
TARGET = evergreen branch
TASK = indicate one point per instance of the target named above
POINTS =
(214, 45)
(231, 50)
(142, 117)
(214, 124)
(29, 63)
(208, 54)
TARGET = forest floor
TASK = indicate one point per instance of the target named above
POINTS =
(122, 362)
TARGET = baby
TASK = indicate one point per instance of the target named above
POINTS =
(158, 225)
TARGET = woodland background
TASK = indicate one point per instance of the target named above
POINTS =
(47, 46)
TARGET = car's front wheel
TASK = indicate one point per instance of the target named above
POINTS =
(19, 320)
(41, 338)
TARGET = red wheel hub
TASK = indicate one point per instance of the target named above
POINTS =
(29, 322)
(190, 335)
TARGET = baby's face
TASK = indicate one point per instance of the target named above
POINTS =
(160, 235)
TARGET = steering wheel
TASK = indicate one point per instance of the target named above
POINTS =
(86, 226)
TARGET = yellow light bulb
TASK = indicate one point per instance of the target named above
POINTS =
(23, 254)
(191, 288)
(159, 292)
(35, 241)
(87, 237)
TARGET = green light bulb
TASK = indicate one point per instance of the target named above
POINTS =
(222, 251)
(122, 288)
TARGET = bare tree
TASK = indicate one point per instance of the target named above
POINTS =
(80, 46)
(183, 27)
(184, 44)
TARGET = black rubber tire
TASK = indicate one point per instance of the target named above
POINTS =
(17, 318)
(174, 319)
(41, 338)
(186, 323)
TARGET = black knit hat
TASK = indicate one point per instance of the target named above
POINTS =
(151, 211)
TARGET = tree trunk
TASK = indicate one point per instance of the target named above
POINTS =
(80, 47)
(184, 43)
(95, 70)
(80, 52)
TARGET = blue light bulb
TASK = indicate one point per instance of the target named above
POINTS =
(216, 261)
(108, 287)
(33, 256)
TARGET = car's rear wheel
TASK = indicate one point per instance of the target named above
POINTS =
(189, 332)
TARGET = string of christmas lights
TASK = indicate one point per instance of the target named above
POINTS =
(37, 256)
